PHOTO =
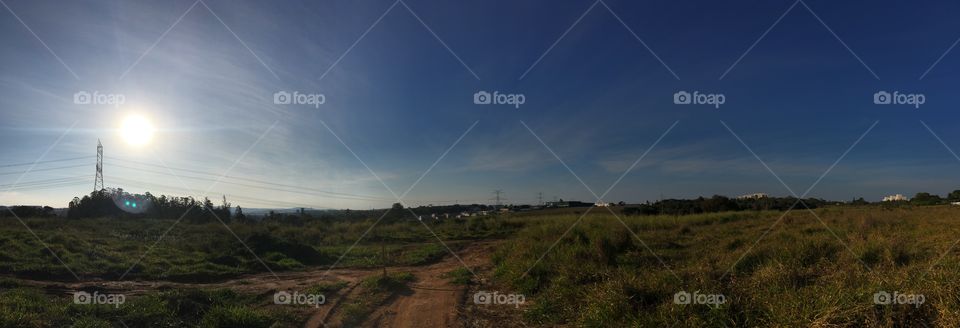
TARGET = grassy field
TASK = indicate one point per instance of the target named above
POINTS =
(28, 307)
(107, 248)
(800, 274)
(103, 249)
(820, 270)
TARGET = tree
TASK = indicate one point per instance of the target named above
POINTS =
(859, 201)
(954, 196)
(397, 213)
(925, 198)
(238, 214)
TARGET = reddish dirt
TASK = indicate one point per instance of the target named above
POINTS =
(433, 301)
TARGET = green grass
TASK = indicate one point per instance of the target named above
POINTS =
(107, 248)
(27, 307)
(460, 276)
(327, 288)
(799, 274)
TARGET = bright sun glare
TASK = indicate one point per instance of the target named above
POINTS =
(136, 130)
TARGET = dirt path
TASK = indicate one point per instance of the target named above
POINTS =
(432, 301)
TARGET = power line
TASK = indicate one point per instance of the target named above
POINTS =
(48, 161)
(44, 181)
(29, 184)
(299, 188)
(47, 169)
(249, 199)
(54, 186)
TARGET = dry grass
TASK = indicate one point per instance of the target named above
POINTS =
(804, 272)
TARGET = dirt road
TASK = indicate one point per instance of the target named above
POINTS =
(433, 301)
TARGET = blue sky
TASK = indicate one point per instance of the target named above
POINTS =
(400, 94)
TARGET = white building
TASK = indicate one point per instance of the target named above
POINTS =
(895, 198)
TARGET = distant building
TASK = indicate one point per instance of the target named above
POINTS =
(895, 198)
(758, 195)
(571, 203)
(602, 204)
(955, 203)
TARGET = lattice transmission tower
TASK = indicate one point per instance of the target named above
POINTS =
(98, 182)
(497, 197)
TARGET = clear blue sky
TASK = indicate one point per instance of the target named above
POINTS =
(403, 94)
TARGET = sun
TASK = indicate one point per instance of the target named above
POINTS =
(136, 130)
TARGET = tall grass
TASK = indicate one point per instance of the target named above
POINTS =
(107, 248)
(802, 273)
(28, 307)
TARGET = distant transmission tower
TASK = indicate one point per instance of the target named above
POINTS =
(98, 182)
(497, 193)
(540, 198)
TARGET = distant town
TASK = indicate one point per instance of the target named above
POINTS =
(146, 205)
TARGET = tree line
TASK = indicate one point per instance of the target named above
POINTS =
(120, 204)
(719, 203)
